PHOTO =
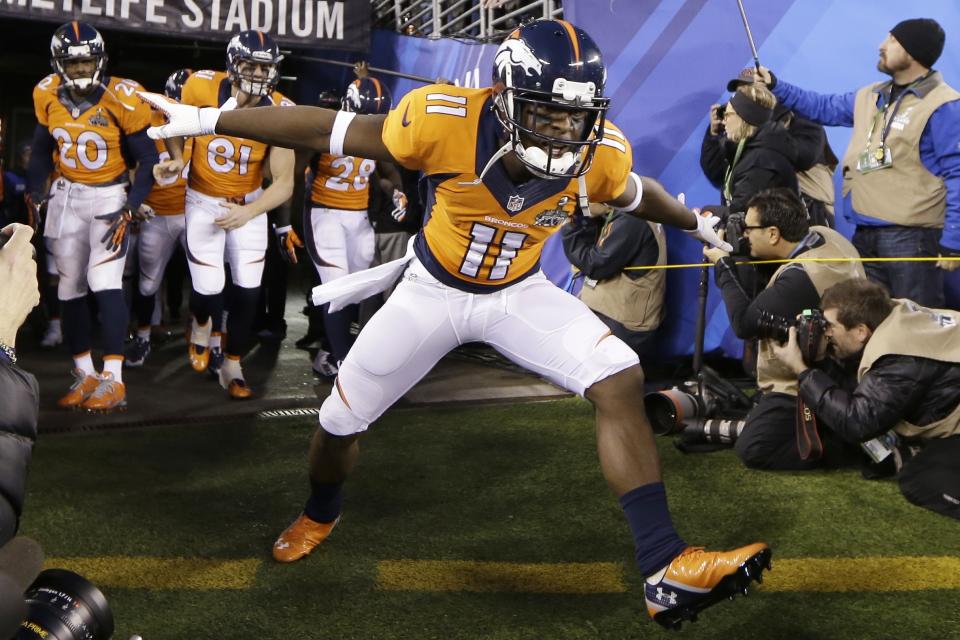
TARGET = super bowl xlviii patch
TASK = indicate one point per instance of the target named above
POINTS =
(552, 218)
(98, 120)
(515, 203)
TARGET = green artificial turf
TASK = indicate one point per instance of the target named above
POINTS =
(515, 483)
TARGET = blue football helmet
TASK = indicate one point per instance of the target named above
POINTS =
(543, 67)
(367, 95)
(258, 48)
(77, 40)
(174, 85)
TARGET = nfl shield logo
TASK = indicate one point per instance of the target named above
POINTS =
(515, 203)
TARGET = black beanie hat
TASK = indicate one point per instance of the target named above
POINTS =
(922, 38)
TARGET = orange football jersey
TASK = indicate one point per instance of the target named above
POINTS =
(224, 166)
(484, 236)
(342, 182)
(89, 134)
(168, 195)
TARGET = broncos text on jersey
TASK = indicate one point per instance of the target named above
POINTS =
(168, 194)
(484, 236)
(224, 166)
(90, 133)
(342, 182)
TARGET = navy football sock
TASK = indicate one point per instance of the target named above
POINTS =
(657, 542)
(143, 308)
(113, 320)
(324, 502)
(75, 316)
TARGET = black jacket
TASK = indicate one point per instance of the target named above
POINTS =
(630, 243)
(19, 397)
(896, 387)
(767, 161)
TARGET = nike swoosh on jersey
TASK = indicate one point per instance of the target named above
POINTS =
(405, 122)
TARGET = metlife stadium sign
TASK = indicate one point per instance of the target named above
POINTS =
(332, 24)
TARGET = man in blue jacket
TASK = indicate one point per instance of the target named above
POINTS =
(901, 171)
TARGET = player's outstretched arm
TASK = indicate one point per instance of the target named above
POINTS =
(645, 197)
(297, 127)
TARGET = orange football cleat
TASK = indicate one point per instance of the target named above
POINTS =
(198, 339)
(109, 395)
(199, 357)
(300, 538)
(83, 385)
(697, 579)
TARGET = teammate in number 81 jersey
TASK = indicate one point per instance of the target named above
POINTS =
(224, 166)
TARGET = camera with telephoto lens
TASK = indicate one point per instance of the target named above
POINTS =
(811, 326)
(695, 404)
(65, 606)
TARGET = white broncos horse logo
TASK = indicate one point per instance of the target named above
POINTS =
(353, 96)
(515, 52)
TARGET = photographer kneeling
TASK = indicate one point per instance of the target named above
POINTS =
(908, 380)
(775, 226)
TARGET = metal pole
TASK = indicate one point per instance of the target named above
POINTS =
(746, 25)
(388, 72)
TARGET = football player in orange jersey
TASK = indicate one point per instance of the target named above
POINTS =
(159, 235)
(92, 121)
(337, 228)
(226, 206)
(503, 168)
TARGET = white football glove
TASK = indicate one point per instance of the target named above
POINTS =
(399, 212)
(705, 231)
(182, 119)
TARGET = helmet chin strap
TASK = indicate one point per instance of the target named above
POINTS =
(502, 151)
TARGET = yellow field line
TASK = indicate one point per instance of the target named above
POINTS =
(866, 574)
(896, 573)
(462, 575)
(140, 572)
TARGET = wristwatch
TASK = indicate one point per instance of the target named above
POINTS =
(8, 353)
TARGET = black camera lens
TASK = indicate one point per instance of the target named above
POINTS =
(774, 327)
(65, 606)
(721, 111)
(668, 409)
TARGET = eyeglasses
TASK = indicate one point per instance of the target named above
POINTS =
(755, 226)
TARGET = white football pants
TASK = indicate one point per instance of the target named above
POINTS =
(208, 246)
(533, 323)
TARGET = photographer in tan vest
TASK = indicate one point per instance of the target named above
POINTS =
(777, 228)
(901, 171)
(907, 392)
(604, 247)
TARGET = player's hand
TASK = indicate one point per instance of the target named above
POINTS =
(36, 210)
(182, 119)
(948, 265)
(361, 69)
(116, 235)
(705, 231)
(399, 212)
(168, 169)
(289, 243)
(236, 215)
